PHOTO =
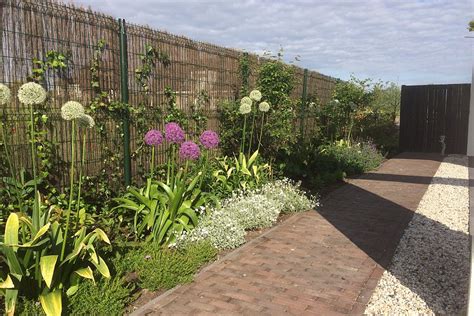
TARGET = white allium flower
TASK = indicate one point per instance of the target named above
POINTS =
(246, 100)
(255, 95)
(4, 94)
(245, 108)
(264, 106)
(72, 110)
(31, 93)
(86, 121)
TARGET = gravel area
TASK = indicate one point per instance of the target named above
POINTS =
(429, 273)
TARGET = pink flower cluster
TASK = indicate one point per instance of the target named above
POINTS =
(175, 134)
(189, 150)
(209, 139)
(153, 137)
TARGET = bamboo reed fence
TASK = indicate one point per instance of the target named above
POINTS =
(29, 29)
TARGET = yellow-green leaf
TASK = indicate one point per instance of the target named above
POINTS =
(102, 235)
(38, 235)
(86, 273)
(52, 303)
(7, 283)
(47, 265)
(102, 267)
(11, 230)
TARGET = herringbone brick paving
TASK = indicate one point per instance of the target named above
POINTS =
(316, 263)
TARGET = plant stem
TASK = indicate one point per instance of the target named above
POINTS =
(36, 215)
(71, 187)
(168, 167)
(261, 132)
(152, 163)
(172, 165)
(7, 152)
(83, 158)
(251, 132)
(242, 149)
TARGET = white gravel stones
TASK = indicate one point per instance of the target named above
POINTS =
(430, 270)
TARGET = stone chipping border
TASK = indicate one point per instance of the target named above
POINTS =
(429, 273)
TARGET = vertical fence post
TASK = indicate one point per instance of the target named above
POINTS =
(303, 102)
(124, 99)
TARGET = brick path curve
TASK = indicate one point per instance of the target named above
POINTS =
(315, 263)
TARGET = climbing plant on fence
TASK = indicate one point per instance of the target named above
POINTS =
(197, 79)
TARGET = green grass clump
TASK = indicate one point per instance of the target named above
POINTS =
(106, 297)
(159, 268)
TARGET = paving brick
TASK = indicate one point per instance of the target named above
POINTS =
(315, 263)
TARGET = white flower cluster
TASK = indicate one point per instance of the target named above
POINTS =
(253, 211)
(289, 195)
(4, 94)
(220, 227)
(225, 226)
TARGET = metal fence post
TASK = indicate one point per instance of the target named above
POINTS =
(303, 102)
(124, 99)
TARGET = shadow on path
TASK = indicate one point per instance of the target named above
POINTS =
(374, 214)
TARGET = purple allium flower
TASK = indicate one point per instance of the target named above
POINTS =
(174, 133)
(209, 139)
(189, 150)
(153, 137)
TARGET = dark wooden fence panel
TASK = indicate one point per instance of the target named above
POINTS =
(430, 111)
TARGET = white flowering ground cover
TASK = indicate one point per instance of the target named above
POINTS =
(429, 272)
(226, 225)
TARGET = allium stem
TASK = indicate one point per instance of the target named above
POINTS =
(7, 153)
(168, 167)
(261, 131)
(152, 162)
(81, 168)
(36, 215)
(71, 187)
(242, 149)
(172, 164)
(251, 132)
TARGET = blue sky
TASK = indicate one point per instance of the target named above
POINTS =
(405, 41)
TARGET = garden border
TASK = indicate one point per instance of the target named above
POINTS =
(143, 310)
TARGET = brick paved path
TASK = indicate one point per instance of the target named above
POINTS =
(315, 263)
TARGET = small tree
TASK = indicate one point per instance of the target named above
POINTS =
(471, 26)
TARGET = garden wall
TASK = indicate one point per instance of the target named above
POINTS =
(29, 29)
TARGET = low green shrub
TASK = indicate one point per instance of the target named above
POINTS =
(161, 268)
(352, 160)
(106, 297)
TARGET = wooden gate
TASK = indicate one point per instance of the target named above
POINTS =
(430, 111)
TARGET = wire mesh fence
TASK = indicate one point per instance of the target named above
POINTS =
(197, 73)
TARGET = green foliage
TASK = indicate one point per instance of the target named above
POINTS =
(33, 266)
(173, 113)
(163, 211)
(149, 60)
(245, 71)
(105, 297)
(471, 26)
(239, 174)
(352, 160)
(276, 82)
(318, 165)
(160, 268)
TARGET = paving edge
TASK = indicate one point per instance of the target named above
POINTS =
(148, 307)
